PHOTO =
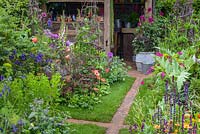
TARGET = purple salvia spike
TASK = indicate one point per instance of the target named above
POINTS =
(183, 120)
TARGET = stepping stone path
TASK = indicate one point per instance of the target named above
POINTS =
(118, 119)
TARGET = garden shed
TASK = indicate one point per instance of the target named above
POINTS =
(116, 19)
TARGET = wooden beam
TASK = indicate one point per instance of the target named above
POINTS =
(75, 0)
(107, 27)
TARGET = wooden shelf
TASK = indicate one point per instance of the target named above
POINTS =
(75, 0)
(129, 30)
(136, 3)
(73, 22)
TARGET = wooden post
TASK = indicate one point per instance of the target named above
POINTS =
(148, 4)
(107, 27)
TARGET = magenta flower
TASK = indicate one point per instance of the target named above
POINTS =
(139, 24)
(151, 19)
(149, 10)
(142, 18)
(68, 43)
(142, 83)
(44, 14)
(180, 53)
(110, 55)
(150, 70)
(163, 75)
(159, 54)
(161, 13)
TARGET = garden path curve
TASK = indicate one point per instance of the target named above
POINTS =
(118, 119)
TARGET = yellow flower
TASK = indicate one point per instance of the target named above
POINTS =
(187, 126)
(8, 65)
(176, 131)
(198, 120)
(193, 120)
(178, 125)
(187, 115)
(157, 126)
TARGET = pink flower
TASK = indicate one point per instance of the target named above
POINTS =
(44, 14)
(161, 13)
(139, 24)
(150, 70)
(142, 83)
(180, 53)
(159, 54)
(142, 18)
(163, 75)
(151, 20)
(149, 10)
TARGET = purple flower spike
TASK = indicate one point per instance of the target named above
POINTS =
(49, 22)
(69, 43)
(110, 55)
(1, 77)
(14, 128)
(23, 57)
(54, 36)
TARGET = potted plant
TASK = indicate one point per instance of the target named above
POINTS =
(149, 33)
(133, 18)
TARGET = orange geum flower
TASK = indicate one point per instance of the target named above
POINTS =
(103, 79)
(166, 130)
(187, 126)
(96, 89)
(96, 72)
(198, 115)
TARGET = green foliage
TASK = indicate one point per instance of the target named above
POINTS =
(42, 121)
(118, 70)
(195, 94)
(149, 34)
(165, 6)
(147, 98)
(87, 129)
(16, 8)
(22, 91)
(105, 110)
(174, 65)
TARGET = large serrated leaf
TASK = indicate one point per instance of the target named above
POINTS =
(181, 79)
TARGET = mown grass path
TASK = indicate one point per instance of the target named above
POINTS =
(118, 119)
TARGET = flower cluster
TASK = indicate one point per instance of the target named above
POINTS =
(5, 91)
(51, 35)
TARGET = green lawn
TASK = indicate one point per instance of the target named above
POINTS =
(104, 111)
(87, 129)
(123, 131)
(146, 99)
